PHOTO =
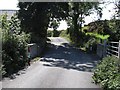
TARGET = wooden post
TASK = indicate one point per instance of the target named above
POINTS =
(119, 49)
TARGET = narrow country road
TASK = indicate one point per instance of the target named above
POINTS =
(62, 66)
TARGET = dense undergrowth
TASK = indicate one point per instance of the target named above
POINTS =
(14, 45)
(107, 73)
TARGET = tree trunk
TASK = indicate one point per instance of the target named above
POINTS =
(76, 28)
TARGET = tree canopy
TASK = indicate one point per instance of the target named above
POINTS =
(35, 17)
(77, 12)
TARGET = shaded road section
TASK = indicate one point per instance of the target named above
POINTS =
(62, 66)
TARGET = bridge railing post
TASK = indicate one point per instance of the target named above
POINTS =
(119, 49)
(104, 48)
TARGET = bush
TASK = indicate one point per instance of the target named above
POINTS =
(49, 33)
(13, 51)
(56, 33)
(64, 34)
(53, 33)
(14, 45)
(91, 44)
(107, 73)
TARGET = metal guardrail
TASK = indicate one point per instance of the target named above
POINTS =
(113, 48)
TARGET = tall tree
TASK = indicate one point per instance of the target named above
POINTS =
(78, 11)
(35, 16)
(116, 23)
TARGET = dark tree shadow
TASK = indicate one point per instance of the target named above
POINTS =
(69, 57)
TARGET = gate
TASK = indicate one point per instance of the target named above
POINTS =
(113, 48)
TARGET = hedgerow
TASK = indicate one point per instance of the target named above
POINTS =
(107, 73)
(14, 45)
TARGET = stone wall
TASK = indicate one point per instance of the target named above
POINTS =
(101, 50)
(35, 49)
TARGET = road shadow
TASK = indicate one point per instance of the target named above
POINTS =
(69, 57)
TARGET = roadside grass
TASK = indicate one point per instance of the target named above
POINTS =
(35, 59)
(83, 49)
(64, 35)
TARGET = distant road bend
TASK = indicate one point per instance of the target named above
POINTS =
(62, 66)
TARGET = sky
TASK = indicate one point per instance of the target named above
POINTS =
(107, 12)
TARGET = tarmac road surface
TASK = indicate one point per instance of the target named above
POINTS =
(62, 66)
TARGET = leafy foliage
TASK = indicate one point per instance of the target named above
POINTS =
(49, 33)
(107, 73)
(77, 13)
(103, 37)
(53, 33)
(104, 29)
(14, 44)
(54, 24)
(65, 35)
(115, 28)
(36, 16)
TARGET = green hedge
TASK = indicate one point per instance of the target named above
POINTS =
(107, 73)
(14, 45)
(14, 55)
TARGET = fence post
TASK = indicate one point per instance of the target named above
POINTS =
(119, 49)
(104, 47)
